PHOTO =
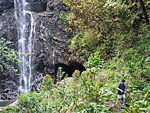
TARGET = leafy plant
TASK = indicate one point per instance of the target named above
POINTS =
(7, 55)
(140, 106)
(94, 61)
(47, 83)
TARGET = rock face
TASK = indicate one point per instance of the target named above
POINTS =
(8, 81)
(6, 4)
(50, 43)
(36, 5)
(9, 85)
(49, 40)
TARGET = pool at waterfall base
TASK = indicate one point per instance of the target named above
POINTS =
(6, 102)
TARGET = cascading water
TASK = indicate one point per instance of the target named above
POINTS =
(26, 31)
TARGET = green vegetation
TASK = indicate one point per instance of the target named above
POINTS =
(7, 55)
(107, 26)
(112, 39)
(92, 92)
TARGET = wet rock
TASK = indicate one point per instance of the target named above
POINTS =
(9, 85)
(36, 5)
(6, 4)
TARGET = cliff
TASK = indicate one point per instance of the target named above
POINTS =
(48, 41)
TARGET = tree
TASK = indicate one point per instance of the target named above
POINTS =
(98, 25)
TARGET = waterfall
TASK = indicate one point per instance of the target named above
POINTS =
(25, 32)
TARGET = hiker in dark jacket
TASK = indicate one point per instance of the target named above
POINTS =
(120, 91)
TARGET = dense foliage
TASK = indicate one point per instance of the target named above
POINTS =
(112, 38)
(108, 26)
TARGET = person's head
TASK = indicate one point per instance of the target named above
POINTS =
(123, 81)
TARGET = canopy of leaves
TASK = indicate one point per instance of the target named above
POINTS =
(103, 25)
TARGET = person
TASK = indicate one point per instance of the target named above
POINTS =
(120, 91)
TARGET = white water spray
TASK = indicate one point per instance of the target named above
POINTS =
(26, 31)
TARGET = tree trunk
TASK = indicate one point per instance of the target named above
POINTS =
(144, 11)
